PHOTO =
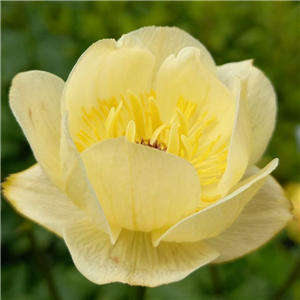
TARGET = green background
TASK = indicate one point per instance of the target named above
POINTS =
(51, 36)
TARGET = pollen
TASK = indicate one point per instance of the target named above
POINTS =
(188, 132)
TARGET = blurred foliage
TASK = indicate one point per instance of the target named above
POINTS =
(51, 36)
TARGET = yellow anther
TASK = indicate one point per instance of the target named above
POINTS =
(114, 122)
(158, 131)
(79, 146)
(86, 122)
(109, 122)
(210, 198)
(173, 143)
(130, 131)
(154, 113)
(209, 181)
(188, 146)
(137, 113)
(183, 121)
(97, 134)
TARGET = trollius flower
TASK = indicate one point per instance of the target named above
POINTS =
(146, 158)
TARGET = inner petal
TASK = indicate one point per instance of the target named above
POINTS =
(141, 188)
(106, 68)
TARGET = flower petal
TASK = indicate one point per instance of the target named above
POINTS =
(266, 214)
(33, 195)
(132, 259)
(261, 102)
(239, 147)
(185, 75)
(214, 219)
(35, 99)
(164, 41)
(139, 187)
(78, 186)
(107, 69)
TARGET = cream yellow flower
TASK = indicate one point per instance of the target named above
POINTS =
(146, 158)
(293, 228)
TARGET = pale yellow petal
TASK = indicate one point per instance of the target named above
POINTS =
(212, 220)
(240, 142)
(78, 186)
(164, 41)
(265, 214)
(107, 69)
(35, 99)
(227, 73)
(261, 103)
(185, 75)
(34, 196)
(132, 259)
(139, 187)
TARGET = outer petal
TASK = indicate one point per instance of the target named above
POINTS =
(78, 186)
(33, 195)
(35, 100)
(164, 41)
(261, 103)
(139, 187)
(107, 69)
(185, 75)
(132, 259)
(266, 214)
(239, 147)
(211, 221)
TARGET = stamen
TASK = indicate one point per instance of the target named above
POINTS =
(158, 131)
(86, 122)
(138, 114)
(109, 122)
(130, 131)
(183, 121)
(173, 144)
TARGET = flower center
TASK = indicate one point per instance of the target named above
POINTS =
(138, 118)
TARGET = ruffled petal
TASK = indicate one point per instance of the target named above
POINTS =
(78, 186)
(214, 219)
(35, 99)
(261, 103)
(139, 187)
(266, 214)
(107, 69)
(132, 259)
(33, 195)
(164, 41)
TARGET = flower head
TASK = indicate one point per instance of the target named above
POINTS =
(146, 158)
(293, 228)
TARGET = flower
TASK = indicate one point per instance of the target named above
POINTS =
(146, 158)
(293, 228)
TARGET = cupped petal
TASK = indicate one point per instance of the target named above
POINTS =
(240, 141)
(139, 187)
(214, 219)
(132, 259)
(261, 103)
(35, 99)
(265, 214)
(185, 76)
(78, 186)
(164, 41)
(34, 196)
(107, 69)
